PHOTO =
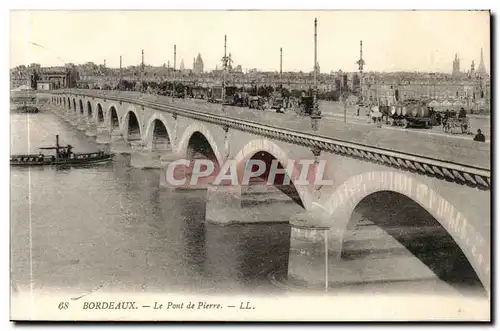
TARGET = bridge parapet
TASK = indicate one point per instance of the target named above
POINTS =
(463, 174)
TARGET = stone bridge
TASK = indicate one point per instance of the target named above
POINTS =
(399, 176)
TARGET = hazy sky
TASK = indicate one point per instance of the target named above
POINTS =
(392, 40)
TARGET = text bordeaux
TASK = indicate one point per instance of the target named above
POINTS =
(110, 305)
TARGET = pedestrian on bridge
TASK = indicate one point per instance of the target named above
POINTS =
(479, 136)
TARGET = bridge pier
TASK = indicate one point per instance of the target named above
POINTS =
(74, 119)
(81, 124)
(315, 250)
(91, 129)
(67, 117)
(234, 204)
(144, 157)
(60, 112)
(56, 110)
(166, 158)
(103, 134)
(118, 143)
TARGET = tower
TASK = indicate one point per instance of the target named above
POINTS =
(481, 70)
(456, 65)
(199, 64)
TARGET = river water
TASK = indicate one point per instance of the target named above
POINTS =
(112, 228)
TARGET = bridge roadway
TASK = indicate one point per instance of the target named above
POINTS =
(431, 177)
(411, 141)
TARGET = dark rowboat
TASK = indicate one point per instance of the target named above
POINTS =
(25, 109)
(63, 156)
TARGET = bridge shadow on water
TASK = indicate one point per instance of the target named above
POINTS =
(233, 257)
(211, 257)
(390, 216)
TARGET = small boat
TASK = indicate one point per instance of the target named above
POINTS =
(25, 109)
(63, 156)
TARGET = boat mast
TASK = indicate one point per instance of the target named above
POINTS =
(57, 146)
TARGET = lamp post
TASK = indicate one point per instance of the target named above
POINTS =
(224, 69)
(326, 260)
(281, 70)
(316, 113)
(345, 108)
(175, 72)
(142, 69)
(361, 64)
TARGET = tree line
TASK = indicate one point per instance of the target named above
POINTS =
(188, 90)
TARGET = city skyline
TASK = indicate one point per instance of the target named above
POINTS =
(391, 41)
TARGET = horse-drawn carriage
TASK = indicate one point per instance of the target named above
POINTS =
(457, 125)
(456, 122)
(410, 113)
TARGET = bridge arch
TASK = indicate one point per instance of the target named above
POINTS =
(131, 125)
(99, 114)
(114, 120)
(158, 128)
(74, 105)
(81, 105)
(69, 104)
(266, 150)
(89, 109)
(352, 194)
(198, 128)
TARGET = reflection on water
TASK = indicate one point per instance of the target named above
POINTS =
(111, 225)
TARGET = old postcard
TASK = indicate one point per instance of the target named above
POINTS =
(250, 165)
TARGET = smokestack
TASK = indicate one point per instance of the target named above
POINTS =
(121, 71)
(361, 50)
(175, 56)
(281, 60)
(225, 44)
